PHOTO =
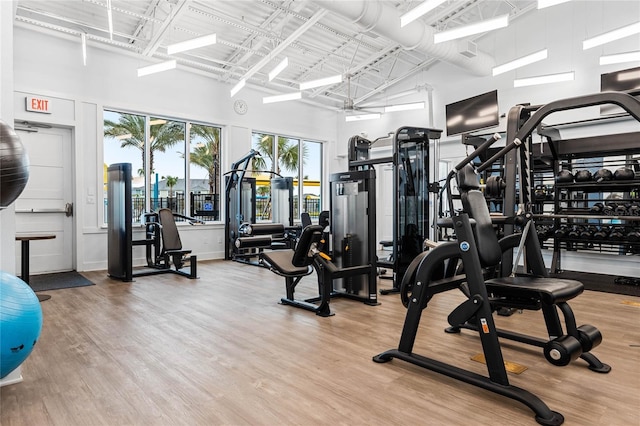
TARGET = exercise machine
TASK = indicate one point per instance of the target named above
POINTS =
(352, 233)
(414, 191)
(246, 239)
(295, 264)
(163, 247)
(487, 288)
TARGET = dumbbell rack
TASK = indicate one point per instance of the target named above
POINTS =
(596, 216)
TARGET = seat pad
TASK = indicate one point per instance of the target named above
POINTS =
(548, 290)
(280, 260)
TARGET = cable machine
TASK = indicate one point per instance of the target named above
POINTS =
(411, 166)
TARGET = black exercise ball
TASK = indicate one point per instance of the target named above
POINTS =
(603, 175)
(14, 165)
(582, 176)
(624, 173)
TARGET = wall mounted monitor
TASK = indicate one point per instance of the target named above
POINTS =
(618, 81)
(468, 115)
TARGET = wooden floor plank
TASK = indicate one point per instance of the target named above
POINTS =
(220, 350)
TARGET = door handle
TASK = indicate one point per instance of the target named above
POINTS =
(68, 209)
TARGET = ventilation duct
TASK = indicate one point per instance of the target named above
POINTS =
(416, 36)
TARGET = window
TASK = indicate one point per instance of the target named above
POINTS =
(159, 149)
(287, 157)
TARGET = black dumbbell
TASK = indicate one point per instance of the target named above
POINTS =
(560, 232)
(633, 236)
(601, 234)
(634, 209)
(610, 209)
(616, 233)
(540, 193)
(597, 208)
(582, 176)
(574, 232)
(603, 175)
(620, 210)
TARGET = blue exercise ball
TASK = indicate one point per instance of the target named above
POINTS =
(20, 322)
(14, 165)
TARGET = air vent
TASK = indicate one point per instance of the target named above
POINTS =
(468, 48)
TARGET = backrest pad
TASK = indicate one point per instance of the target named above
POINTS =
(310, 235)
(170, 236)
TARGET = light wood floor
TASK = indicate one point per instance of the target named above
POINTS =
(220, 350)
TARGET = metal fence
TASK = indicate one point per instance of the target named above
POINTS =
(207, 206)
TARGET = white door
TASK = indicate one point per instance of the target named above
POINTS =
(45, 205)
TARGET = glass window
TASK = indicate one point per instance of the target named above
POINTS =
(166, 164)
(311, 178)
(300, 161)
(160, 158)
(124, 142)
(204, 171)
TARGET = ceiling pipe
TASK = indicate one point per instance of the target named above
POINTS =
(416, 36)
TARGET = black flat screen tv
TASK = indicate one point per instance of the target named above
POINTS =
(468, 115)
(618, 81)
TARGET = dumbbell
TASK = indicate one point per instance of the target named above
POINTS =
(582, 176)
(598, 208)
(620, 210)
(560, 232)
(588, 232)
(609, 209)
(573, 233)
(634, 209)
(601, 234)
(633, 236)
(603, 175)
(616, 233)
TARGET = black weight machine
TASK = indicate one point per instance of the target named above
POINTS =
(411, 217)
(163, 247)
(487, 289)
(246, 239)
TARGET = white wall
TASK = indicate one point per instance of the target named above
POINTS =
(52, 67)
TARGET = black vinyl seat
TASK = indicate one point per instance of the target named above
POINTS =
(539, 289)
(171, 243)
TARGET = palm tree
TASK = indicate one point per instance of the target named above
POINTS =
(206, 154)
(171, 182)
(288, 154)
(132, 126)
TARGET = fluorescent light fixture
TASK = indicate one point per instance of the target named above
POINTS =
(467, 30)
(110, 19)
(237, 87)
(629, 75)
(544, 79)
(162, 66)
(418, 11)
(404, 107)
(360, 117)
(282, 98)
(194, 43)
(125, 136)
(620, 58)
(520, 62)
(279, 68)
(83, 38)
(611, 36)
(548, 3)
(157, 121)
(321, 82)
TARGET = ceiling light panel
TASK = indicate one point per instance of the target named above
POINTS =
(191, 44)
(620, 58)
(321, 82)
(471, 29)
(520, 62)
(544, 79)
(422, 9)
(610, 36)
(152, 69)
(282, 98)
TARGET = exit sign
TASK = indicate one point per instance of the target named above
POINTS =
(38, 104)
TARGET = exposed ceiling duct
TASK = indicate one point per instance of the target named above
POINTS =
(417, 36)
